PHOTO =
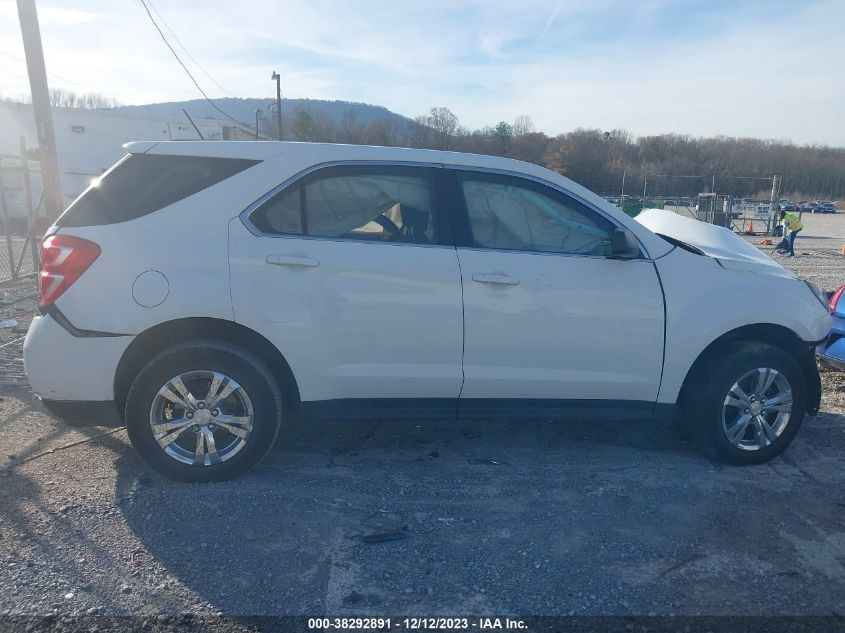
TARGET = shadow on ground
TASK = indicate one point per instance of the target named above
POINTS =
(503, 517)
(33, 506)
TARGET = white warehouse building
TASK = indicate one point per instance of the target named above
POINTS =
(89, 141)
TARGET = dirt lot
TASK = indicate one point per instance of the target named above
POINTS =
(517, 517)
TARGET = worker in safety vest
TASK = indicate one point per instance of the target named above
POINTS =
(791, 227)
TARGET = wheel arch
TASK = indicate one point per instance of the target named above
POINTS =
(771, 334)
(158, 338)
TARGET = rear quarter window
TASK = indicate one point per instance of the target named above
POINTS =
(143, 183)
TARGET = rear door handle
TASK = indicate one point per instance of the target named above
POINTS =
(487, 278)
(291, 260)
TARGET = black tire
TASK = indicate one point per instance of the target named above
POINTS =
(204, 355)
(713, 379)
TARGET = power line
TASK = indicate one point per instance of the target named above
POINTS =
(187, 52)
(51, 73)
(188, 72)
(13, 73)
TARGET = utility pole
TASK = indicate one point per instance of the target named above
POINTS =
(773, 207)
(645, 188)
(278, 79)
(31, 33)
(257, 111)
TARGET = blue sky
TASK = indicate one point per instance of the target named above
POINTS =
(770, 69)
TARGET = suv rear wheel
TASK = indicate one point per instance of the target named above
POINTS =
(746, 403)
(203, 411)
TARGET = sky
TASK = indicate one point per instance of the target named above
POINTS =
(768, 68)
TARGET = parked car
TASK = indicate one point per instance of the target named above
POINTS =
(831, 351)
(208, 294)
(787, 206)
(828, 207)
(810, 207)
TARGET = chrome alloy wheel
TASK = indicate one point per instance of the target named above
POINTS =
(201, 417)
(757, 409)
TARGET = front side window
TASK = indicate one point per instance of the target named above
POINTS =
(381, 205)
(510, 214)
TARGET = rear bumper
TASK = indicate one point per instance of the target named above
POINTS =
(85, 412)
(64, 367)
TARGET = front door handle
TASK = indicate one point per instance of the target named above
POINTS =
(487, 278)
(291, 260)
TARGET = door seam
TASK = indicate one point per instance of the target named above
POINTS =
(665, 332)
(463, 334)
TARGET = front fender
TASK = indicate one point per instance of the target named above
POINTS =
(706, 302)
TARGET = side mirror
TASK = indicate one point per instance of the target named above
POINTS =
(624, 245)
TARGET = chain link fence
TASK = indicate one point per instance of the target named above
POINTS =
(22, 217)
(722, 200)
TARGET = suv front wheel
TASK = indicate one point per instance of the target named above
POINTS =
(203, 411)
(746, 403)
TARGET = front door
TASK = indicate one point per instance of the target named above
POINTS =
(554, 326)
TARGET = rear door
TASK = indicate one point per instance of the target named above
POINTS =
(553, 324)
(351, 272)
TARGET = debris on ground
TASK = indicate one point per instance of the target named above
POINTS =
(385, 526)
(381, 537)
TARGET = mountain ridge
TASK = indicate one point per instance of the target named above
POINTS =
(243, 110)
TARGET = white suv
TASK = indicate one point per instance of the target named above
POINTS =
(207, 293)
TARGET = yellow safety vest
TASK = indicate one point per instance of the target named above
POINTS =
(792, 223)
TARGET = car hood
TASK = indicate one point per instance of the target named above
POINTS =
(718, 242)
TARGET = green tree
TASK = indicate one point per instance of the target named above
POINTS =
(504, 132)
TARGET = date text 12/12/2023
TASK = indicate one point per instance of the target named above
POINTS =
(416, 623)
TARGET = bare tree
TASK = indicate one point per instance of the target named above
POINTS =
(443, 121)
(382, 131)
(63, 98)
(303, 126)
(350, 129)
(522, 125)
(442, 124)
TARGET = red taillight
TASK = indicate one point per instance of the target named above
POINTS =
(63, 260)
(835, 297)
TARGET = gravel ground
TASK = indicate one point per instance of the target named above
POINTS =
(494, 518)
(818, 247)
(18, 302)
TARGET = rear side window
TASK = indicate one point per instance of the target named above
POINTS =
(143, 183)
(382, 207)
(282, 214)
